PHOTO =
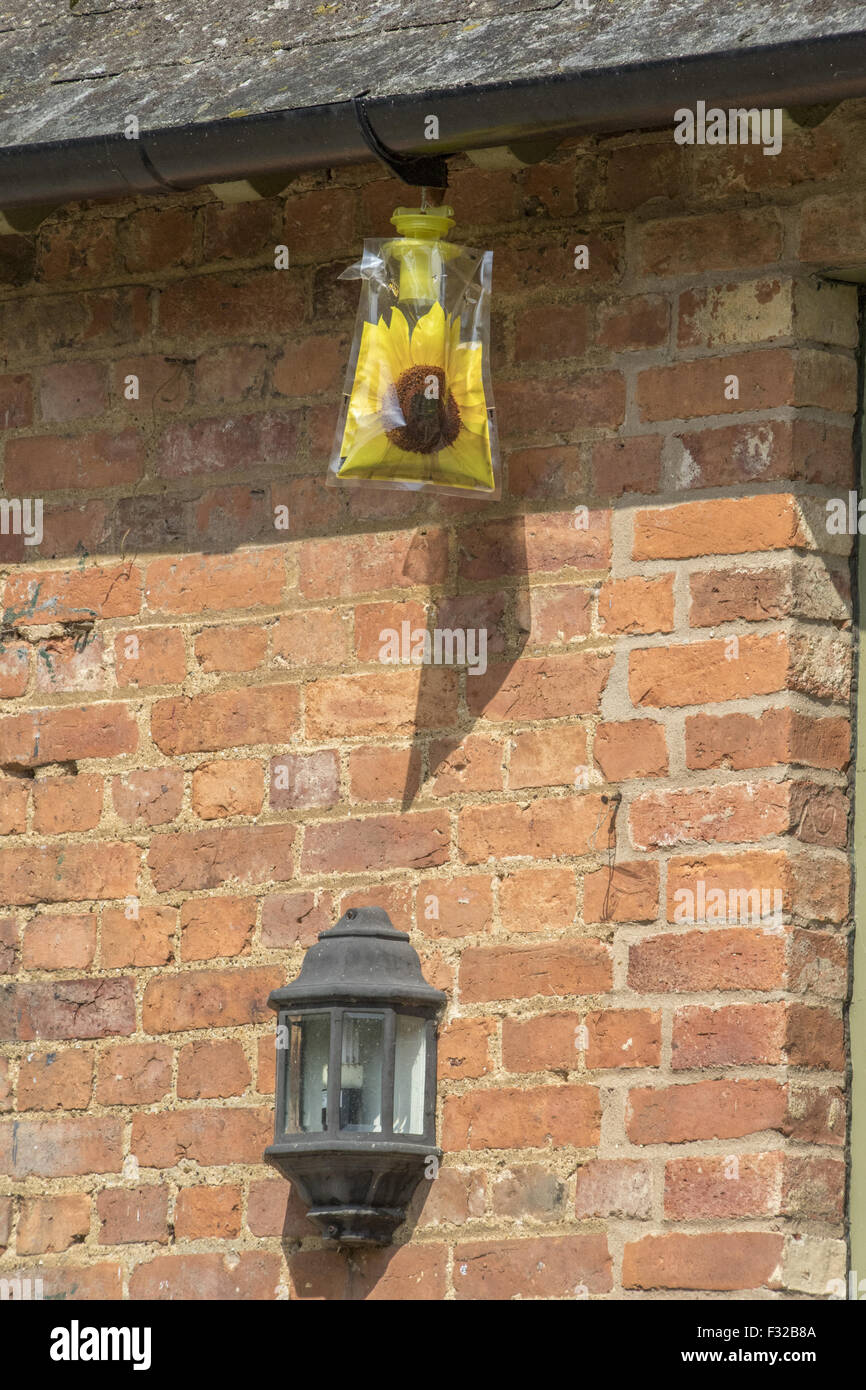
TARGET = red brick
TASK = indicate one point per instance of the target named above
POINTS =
(622, 893)
(723, 596)
(206, 1070)
(552, 1267)
(83, 462)
(66, 664)
(407, 1273)
(347, 565)
(554, 615)
(548, 757)
(61, 1148)
(237, 648)
(55, 1080)
(212, 927)
(157, 238)
(551, 687)
(134, 1074)
(213, 1137)
(213, 583)
(290, 919)
(230, 307)
(14, 671)
(71, 391)
(203, 1212)
(740, 741)
(736, 1035)
(814, 1037)
(16, 402)
(68, 873)
(538, 900)
(191, 447)
(144, 939)
(67, 734)
(627, 325)
(724, 1187)
(626, 465)
(75, 1282)
(520, 972)
(743, 453)
(59, 942)
(68, 1009)
(704, 1110)
(52, 596)
(313, 637)
(419, 840)
(14, 796)
(725, 526)
(454, 1198)
(541, 829)
(734, 958)
(208, 999)
(536, 544)
(745, 1260)
(253, 1274)
(511, 1118)
(225, 719)
(546, 471)
(703, 672)
(130, 1216)
(275, 1209)
(464, 1048)
(637, 605)
(149, 656)
(714, 241)
(311, 365)
(48, 1225)
(150, 796)
(731, 813)
(592, 398)
(620, 1187)
(67, 803)
(299, 781)
(634, 748)
(208, 858)
(228, 787)
(379, 774)
(454, 907)
(471, 764)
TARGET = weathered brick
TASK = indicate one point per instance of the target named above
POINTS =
(551, 1267)
(130, 1216)
(48, 1225)
(212, 927)
(512, 1118)
(208, 999)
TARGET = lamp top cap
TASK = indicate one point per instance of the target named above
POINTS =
(365, 921)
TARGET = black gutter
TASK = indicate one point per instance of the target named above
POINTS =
(644, 96)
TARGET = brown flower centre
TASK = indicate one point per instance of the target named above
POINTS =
(429, 410)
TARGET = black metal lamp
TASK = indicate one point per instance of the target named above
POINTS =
(356, 1078)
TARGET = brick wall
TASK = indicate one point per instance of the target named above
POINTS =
(630, 1105)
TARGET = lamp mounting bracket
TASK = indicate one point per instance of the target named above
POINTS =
(418, 170)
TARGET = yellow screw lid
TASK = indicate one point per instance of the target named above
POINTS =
(426, 224)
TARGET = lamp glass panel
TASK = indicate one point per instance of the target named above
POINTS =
(361, 1072)
(410, 1061)
(307, 1075)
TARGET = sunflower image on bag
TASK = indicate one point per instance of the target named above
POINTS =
(418, 408)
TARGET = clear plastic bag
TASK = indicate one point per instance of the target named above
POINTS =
(418, 407)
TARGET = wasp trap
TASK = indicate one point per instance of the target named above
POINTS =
(418, 408)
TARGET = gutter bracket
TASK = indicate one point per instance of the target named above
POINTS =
(430, 171)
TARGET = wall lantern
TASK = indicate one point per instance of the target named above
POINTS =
(356, 1078)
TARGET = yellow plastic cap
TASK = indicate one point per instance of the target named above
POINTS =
(426, 224)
